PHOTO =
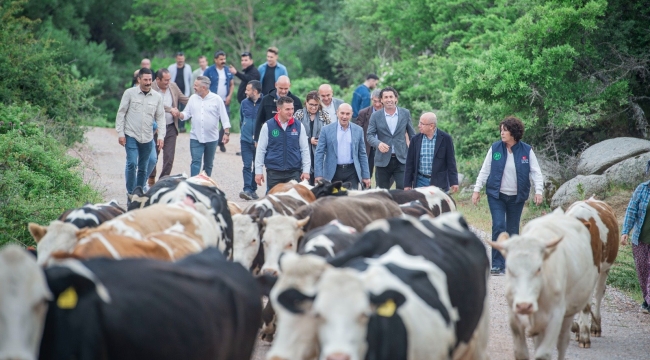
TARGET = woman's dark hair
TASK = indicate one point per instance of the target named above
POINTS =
(514, 125)
(313, 95)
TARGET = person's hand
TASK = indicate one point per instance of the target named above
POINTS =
(228, 100)
(316, 179)
(225, 138)
(255, 144)
(304, 176)
(538, 199)
(259, 179)
(174, 112)
(383, 147)
(453, 189)
(407, 188)
(624, 239)
(232, 69)
(366, 182)
(314, 141)
(476, 196)
(122, 140)
(161, 142)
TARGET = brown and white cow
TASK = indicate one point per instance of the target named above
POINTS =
(302, 188)
(550, 276)
(191, 219)
(601, 221)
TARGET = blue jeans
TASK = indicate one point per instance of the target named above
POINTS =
(248, 157)
(506, 215)
(421, 181)
(202, 151)
(153, 158)
(137, 157)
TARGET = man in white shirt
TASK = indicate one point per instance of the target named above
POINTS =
(206, 110)
(330, 103)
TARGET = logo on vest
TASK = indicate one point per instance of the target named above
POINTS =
(275, 133)
(294, 132)
(524, 159)
(496, 156)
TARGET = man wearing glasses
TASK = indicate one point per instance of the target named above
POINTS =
(249, 72)
(430, 159)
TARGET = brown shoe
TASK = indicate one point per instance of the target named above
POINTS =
(151, 181)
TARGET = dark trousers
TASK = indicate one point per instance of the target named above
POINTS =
(169, 151)
(181, 124)
(394, 169)
(371, 160)
(221, 130)
(248, 157)
(274, 177)
(347, 173)
(506, 215)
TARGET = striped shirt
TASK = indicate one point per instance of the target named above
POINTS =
(635, 213)
(137, 113)
(426, 153)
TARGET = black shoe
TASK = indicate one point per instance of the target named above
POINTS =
(254, 196)
(645, 308)
(238, 153)
(497, 271)
(182, 130)
(246, 195)
(222, 147)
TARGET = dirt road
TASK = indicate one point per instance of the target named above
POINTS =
(626, 332)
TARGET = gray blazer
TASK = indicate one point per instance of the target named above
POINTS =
(378, 132)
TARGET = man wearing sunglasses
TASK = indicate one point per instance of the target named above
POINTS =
(249, 72)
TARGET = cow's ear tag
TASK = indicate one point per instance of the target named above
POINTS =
(334, 191)
(387, 309)
(67, 299)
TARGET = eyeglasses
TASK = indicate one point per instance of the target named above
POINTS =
(423, 124)
(312, 105)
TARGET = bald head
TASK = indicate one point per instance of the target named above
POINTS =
(283, 85)
(344, 114)
(326, 94)
(429, 117)
(428, 123)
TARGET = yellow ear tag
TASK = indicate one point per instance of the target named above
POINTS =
(67, 299)
(343, 189)
(334, 191)
(387, 309)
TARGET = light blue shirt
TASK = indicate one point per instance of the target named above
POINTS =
(344, 140)
(391, 120)
(427, 153)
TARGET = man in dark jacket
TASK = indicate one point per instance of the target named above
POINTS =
(249, 72)
(248, 114)
(269, 107)
(430, 159)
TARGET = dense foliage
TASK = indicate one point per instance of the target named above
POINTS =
(38, 180)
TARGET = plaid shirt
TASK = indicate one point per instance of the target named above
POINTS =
(636, 211)
(426, 153)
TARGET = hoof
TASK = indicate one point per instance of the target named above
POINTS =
(596, 333)
(575, 327)
(585, 345)
(267, 337)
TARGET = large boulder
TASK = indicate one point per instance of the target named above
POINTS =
(599, 157)
(552, 173)
(628, 172)
(579, 188)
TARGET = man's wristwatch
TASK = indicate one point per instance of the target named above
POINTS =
(226, 133)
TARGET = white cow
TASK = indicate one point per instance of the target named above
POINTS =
(550, 275)
(22, 283)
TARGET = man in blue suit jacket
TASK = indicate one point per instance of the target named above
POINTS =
(343, 142)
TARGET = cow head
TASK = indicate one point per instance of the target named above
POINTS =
(344, 310)
(23, 304)
(325, 188)
(525, 257)
(59, 236)
(246, 239)
(281, 233)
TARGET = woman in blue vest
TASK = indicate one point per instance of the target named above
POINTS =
(507, 169)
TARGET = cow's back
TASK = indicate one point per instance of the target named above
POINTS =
(603, 228)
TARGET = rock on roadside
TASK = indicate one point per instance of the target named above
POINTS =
(599, 157)
(629, 172)
(571, 191)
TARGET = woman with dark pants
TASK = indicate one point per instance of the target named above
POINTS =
(635, 222)
(313, 118)
(506, 171)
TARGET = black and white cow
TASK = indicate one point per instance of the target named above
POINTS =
(329, 240)
(92, 215)
(201, 307)
(415, 209)
(407, 289)
(176, 189)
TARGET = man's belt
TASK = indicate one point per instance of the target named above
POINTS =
(426, 176)
(343, 166)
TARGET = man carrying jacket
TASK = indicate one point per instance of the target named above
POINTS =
(247, 114)
(269, 107)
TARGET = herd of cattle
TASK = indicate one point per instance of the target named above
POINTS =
(349, 275)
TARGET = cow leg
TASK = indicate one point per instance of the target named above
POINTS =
(564, 338)
(518, 337)
(268, 322)
(583, 325)
(548, 339)
(599, 293)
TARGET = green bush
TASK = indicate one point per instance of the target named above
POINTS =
(38, 180)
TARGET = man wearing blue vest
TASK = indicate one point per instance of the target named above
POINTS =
(282, 147)
(247, 115)
(222, 84)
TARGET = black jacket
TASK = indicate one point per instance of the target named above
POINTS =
(443, 172)
(246, 75)
(269, 109)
